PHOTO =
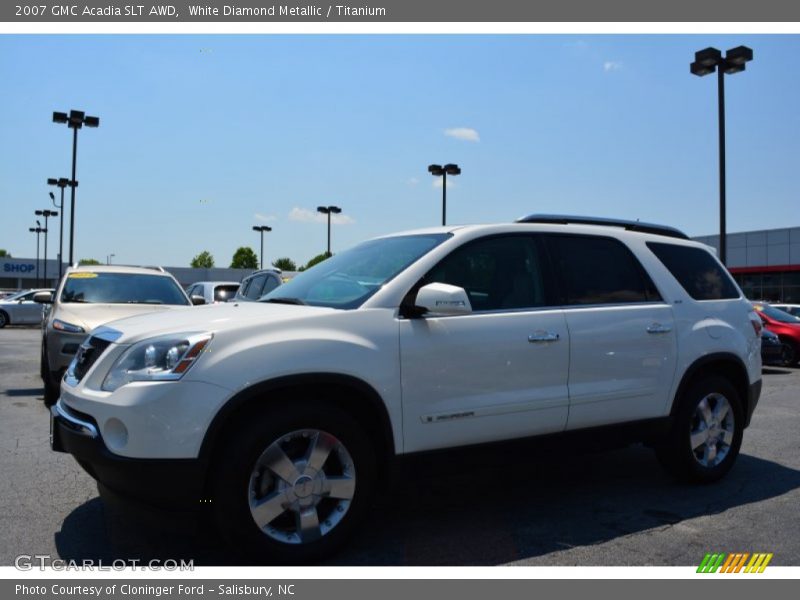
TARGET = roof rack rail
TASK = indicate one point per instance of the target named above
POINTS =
(628, 225)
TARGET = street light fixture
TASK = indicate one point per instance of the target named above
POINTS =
(75, 120)
(443, 172)
(62, 183)
(261, 229)
(109, 258)
(706, 62)
(37, 230)
(47, 213)
(329, 210)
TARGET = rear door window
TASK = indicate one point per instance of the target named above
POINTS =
(696, 270)
(255, 286)
(598, 270)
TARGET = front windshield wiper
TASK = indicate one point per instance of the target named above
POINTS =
(144, 302)
(285, 301)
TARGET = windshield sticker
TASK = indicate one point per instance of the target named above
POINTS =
(82, 275)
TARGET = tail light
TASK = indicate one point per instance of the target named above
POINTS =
(755, 321)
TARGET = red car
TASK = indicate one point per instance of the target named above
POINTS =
(786, 326)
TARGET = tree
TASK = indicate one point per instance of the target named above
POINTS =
(88, 261)
(4, 253)
(244, 258)
(317, 259)
(204, 260)
(284, 264)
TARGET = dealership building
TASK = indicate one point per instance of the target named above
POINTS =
(765, 263)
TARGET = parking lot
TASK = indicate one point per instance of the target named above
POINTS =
(558, 507)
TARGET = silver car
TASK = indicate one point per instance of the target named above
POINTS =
(20, 309)
(214, 292)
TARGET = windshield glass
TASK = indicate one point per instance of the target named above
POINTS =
(777, 315)
(121, 288)
(346, 280)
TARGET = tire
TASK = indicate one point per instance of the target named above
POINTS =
(52, 381)
(689, 452)
(4, 320)
(789, 354)
(301, 519)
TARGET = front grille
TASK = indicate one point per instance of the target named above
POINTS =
(88, 353)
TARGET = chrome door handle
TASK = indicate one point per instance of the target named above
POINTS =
(659, 328)
(543, 336)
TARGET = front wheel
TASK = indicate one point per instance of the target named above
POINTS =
(290, 486)
(789, 354)
(3, 319)
(706, 434)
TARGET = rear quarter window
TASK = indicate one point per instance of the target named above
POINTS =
(696, 270)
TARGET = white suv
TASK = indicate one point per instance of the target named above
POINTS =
(281, 415)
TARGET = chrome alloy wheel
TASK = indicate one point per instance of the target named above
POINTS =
(712, 429)
(301, 486)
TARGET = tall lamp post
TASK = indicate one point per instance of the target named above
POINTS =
(443, 172)
(46, 214)
(37, 230)
(329, 210)
(74, 120)
(706, 62)
(261, 229)
(61, 183)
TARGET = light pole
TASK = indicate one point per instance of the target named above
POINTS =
(109, 257)
(705, 62)
(329, 210)
(61, 183)
(37, 230)
(443, 172)
(46, 214)
(75, 120)
(262, 229)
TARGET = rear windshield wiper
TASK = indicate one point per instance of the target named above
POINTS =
(284, 301)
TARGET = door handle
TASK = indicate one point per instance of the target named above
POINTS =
(659, 328)
(543, 336)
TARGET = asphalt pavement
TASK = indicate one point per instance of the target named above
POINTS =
(519, 505)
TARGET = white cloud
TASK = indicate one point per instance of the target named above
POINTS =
(466, 134)
(438, 182)
(265, 218)
(305, 215)
(413, 181)
(612, 65)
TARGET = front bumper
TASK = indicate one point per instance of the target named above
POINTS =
(163, 482)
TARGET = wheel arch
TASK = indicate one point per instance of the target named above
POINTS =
(352, 395)
(725, 364)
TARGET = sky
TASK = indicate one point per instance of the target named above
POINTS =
(202, 137)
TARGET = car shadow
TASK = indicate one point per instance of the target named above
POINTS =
(25, 392)
(774, 371)
(476, 507)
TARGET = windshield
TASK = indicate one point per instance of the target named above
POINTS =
(348, 279)
(777, 315)
(121, 288)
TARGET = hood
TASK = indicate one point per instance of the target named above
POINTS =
(211, 318)
(90, 316)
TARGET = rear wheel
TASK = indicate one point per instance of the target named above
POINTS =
(292, 483)
(706, 434)
(789, 354)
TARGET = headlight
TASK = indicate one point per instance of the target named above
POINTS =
(164, 358)
(68, 327)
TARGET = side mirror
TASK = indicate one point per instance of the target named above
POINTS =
(43, 297)
(441, 299)
(197, 300)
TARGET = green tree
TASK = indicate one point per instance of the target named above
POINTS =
(88, 261)
(317, 259)
(284, 264)
(4, 253)
(244, 258)
(204, 260)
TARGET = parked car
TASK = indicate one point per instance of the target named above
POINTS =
(772, 349)
(786, 326)
(282, 415)
(792, 309)
(20, 309)
(214, 292)
(258, 284)
(89, 296)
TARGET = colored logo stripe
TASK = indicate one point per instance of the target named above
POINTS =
(734, 563)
